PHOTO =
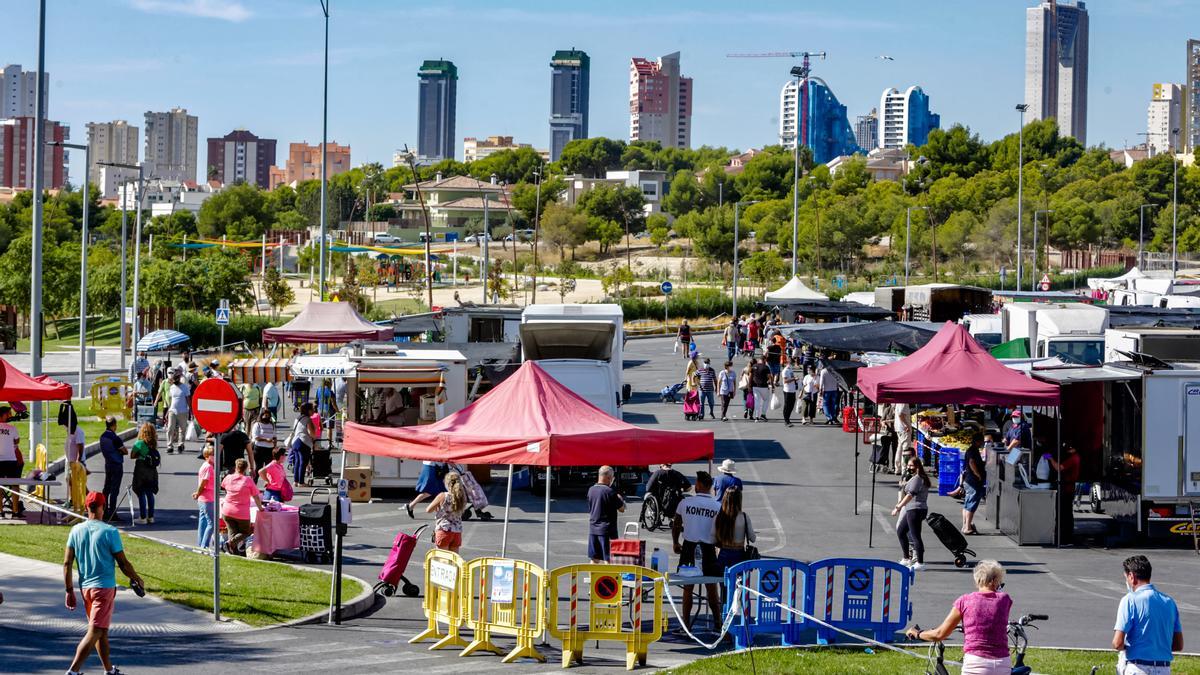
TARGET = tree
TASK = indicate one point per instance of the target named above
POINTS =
(525, 196)
(239, 212)
(618, 276)
(606, 232)
(562, 227)
(685, 195)
(623, 205)
(279, 293)
(509, 166)
(567, 272)
(768, 175)
(591, 157)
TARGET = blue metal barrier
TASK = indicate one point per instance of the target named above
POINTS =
(873, 595)
(782, 582)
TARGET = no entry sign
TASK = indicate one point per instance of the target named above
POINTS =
(216, 405)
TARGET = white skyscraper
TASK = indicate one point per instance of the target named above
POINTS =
(1164, 114)
(1056, 65)
(115, 142)
(20, 92)
(170, 145)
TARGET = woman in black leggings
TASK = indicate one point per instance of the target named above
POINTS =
(912, 509)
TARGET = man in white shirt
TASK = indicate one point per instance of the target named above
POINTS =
(903, 426)
(178, 407)
(810, 388)
(695, 519)
(829, 393)
(791, 382)
(11, 460)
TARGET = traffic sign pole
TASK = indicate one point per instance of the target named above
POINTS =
(666, 290)
(216, 526)
(217, 407)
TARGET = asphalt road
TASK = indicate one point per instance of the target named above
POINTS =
(800, 493)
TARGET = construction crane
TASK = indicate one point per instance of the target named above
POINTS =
(801, 73)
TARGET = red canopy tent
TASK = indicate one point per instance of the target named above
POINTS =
(327, 322)
(530, 418)
(953, 368)
(17, 386)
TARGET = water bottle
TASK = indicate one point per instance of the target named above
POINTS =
(658, 560)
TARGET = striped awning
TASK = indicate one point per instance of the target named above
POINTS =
(260, 371)
(405, 377)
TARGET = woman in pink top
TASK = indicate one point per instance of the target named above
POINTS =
(240, 490)
(205, 495)
(984, 617)
(274, 475)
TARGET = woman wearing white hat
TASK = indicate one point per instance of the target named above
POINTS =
(727, 479)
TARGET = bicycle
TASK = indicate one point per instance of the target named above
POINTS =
(1017, 640)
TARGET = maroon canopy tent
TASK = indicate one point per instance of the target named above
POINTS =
(17, 386)
(530, 418)
(953, 368)
(327, 322)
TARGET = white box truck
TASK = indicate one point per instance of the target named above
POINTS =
(1072, 331)
(1165, 344)
(581, 346)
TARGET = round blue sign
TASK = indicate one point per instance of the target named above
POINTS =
(666, 287)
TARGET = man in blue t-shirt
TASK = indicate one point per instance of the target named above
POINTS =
(1148, 630)
(114, 451)
(727, 479)
(95, 547)
(604, 503)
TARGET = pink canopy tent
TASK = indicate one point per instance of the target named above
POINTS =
(953, 368)
(530, 418)
(327, 322)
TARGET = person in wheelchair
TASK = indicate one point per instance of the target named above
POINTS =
(667, 486)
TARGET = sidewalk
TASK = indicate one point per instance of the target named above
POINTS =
(34, 601)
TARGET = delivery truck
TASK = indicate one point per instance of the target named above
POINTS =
(1165, 344)
(1072, 331)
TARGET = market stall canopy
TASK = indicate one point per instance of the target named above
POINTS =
(828, 309)
(794, 291)
(953, 368)
(327, 322)
(1115, 282)
(161, 340)
(880, 336)
(17, 386)
(260, 371)
(530, 418)
(860, 298)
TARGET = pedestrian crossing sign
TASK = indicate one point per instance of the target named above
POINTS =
(222, 316)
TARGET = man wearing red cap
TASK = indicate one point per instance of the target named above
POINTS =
(95, 547)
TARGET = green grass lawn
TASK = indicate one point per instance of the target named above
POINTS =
(820, 661)
(255, 592)
(92, 425)
(400, 306)
(63, 334)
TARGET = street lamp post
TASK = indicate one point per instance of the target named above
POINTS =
(1174, 204)
(83, 268)
(137, 246)
(1035, 244)
(1021, 108)
(324, 164)
(537, 219)
(1142, 234)
(39, 161)
(908, 238)
(736, 208)
(796, 177)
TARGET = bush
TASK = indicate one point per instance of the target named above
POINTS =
(692, 303)
(202, 328)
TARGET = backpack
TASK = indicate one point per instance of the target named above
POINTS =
(286, 492)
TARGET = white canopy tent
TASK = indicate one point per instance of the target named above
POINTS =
(1116, 282)
(794, 291)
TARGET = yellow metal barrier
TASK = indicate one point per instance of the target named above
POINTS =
(602, 586)
(443, 599)
(505, 597)
(39, 463)
(109, 396)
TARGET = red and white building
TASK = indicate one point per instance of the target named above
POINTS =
(16, 154)
(660, 102)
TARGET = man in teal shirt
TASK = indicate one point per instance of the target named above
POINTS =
(95, 547)
(1148, 631)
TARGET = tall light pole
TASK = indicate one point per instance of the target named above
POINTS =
(39, 162)
(736, 208)
(83, 268)
(1035, 244)
(795, 178)
(1021, 108)
(1142, 234)
(1174, 203)
(908, 237)
(537, 219)
(325, 161)
(137, 247)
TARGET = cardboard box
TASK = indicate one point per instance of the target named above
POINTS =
(358, 483)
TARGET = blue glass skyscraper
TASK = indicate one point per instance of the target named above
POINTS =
(823, 123)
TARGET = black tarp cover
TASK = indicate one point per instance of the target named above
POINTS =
(878, 336)
(827, 309)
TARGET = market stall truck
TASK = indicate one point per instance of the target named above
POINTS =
(1170, 498)
(1072, 331)
(1164, 344)
(581, 346)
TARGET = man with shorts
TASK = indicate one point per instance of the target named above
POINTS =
(11, 460)
(95, 547)
(696, 519)
(604, 503)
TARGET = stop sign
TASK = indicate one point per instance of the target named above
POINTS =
(216, 405)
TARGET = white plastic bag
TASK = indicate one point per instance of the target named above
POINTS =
(192, 433)
(775, 402)
(675, 350)
(1043, 468)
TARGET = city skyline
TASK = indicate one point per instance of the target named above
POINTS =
(276, 89)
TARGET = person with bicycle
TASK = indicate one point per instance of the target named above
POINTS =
(1148, 631)
(984, 618)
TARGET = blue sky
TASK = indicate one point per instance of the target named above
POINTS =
(256, 63)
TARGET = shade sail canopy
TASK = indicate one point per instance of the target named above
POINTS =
(953, 368)
(17, 386)
(794, 291)
(327, 322)
(880, 336)
(531, 418)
